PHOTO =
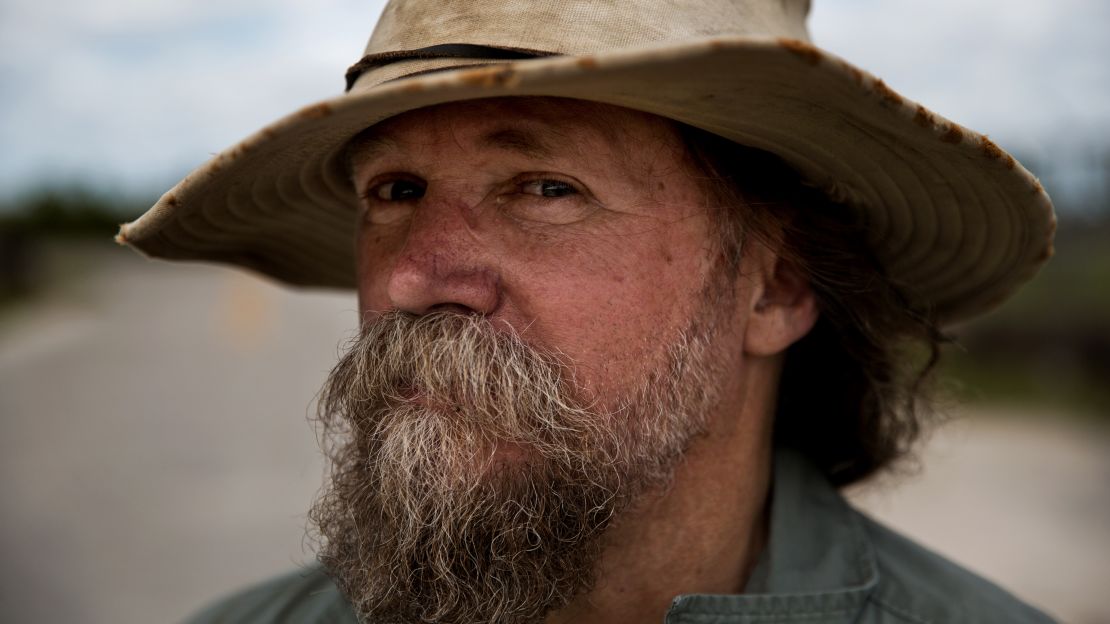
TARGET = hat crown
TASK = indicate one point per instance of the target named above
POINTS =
(578, 27)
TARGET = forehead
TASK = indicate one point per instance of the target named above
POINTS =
(538, 127)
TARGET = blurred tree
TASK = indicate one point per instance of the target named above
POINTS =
(54, 212)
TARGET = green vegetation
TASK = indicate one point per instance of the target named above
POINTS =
(1051, 342)
(48, 214)
(68, 211)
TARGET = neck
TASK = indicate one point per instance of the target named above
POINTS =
(703, 535)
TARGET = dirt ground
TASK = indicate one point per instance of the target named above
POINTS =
(155, 453)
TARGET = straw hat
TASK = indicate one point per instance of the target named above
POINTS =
(957, 223)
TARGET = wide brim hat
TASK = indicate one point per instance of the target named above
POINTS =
(956, 222)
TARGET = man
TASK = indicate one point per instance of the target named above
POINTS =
(641, 284)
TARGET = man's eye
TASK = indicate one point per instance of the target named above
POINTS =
(527, 201)
(548, 188)
(398, 190)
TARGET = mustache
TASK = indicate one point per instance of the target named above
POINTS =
(473, 378)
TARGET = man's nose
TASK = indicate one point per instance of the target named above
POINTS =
(444, 264)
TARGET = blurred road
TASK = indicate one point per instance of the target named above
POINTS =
(154, 453)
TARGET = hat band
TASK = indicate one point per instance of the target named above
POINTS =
(444, 50)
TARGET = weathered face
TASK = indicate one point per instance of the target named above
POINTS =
(552, 334)
(579, 225)
(546, 326)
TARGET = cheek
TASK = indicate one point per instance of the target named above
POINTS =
(375, 253)
(612, 306)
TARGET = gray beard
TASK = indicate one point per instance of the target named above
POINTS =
(469, 480)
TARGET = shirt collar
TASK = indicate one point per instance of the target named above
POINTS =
(818, 564)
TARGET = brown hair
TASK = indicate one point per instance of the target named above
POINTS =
(854, 391)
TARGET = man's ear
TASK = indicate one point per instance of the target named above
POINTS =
(783, 306)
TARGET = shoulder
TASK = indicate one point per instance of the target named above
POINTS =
(305, 595)
(917, 585)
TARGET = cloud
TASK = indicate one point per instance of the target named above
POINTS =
(134, 94)
(1031, 74)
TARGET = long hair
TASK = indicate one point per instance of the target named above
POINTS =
(855, 391)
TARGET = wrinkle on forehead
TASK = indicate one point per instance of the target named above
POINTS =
(532, 126)
(519, 140)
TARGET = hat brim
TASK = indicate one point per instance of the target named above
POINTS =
(956, 222)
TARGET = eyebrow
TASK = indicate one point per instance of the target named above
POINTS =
(367, 147)
(518, 140)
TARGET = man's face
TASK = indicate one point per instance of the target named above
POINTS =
(547, 328)
(580, 226)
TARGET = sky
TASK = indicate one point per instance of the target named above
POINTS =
(129, 95)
